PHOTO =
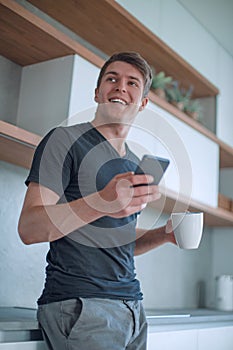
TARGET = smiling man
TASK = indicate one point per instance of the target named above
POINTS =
(81, 198)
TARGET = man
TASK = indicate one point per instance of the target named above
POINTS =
(82, 199)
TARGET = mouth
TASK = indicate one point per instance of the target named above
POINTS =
(118, 100)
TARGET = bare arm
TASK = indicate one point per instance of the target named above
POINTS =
(42, 220)
(148, 240)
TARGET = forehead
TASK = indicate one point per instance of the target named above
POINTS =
(124, 68)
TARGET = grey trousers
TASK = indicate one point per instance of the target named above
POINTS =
(93, 324)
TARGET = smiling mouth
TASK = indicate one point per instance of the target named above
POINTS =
(118, 100)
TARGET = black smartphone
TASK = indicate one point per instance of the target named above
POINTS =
(152, 165)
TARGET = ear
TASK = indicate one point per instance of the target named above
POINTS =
(96, 95)
(144, 103)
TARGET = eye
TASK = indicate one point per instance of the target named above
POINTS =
(111, 79)
(133, 83)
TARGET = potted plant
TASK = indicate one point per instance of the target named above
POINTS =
(159, 83)
(177, 96)
(194, 109)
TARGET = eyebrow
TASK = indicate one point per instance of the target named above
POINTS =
(115, 73)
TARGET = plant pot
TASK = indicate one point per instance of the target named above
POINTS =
(179, 105)
(160, 92)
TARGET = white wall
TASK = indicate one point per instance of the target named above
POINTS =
(10, 74)
(223, 238)
(224, 104)
(21, 267)
(170, 277)
(222, 252)
(222, 257)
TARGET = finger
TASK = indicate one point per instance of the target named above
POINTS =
(127, 175)
(142, 179)
(136, 209)
(140, 200)
(145, 190)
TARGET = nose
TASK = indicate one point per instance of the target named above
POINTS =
(121, 86)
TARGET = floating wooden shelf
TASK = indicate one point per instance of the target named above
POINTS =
(216, 217)
(110, 28)
(17, 146)
(27, 39)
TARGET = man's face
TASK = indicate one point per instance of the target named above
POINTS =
(120, 94)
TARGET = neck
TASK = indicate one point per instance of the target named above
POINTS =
(115, 134)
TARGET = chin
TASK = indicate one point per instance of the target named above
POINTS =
(117, 113)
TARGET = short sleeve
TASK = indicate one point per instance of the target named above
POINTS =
(52, 161)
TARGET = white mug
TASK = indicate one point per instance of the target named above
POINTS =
(188, 228)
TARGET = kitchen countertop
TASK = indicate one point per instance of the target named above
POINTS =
(174, 319)
(17, 318)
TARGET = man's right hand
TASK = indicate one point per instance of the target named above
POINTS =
(120, 198)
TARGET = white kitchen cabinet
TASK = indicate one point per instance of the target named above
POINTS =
(194, 168)
(44, 94)
(179, 340)
(30, 345)
(220, 338)
(53, 91)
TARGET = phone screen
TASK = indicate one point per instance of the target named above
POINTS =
(152, 165)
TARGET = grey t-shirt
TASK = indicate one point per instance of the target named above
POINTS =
(96, 260)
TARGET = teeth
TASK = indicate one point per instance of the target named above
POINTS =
(118, 100)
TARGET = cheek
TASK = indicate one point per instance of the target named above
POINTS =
(101, 96)
(137, 95)
(98, 97)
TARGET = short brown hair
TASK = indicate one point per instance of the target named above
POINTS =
(136, 60)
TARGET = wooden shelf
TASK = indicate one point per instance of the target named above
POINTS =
(26, 39)
(226, 152)
(110, 28)
(17, 146)
(214, 217)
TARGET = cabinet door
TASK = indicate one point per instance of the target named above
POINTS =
(220, 338)
(181, 340)
(29, 345)
(179, 142)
